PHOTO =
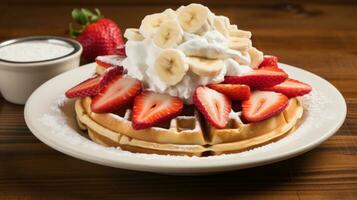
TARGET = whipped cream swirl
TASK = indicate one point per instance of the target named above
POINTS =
(142, 54)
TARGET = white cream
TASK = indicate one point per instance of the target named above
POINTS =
(114, 60)
(31, 51)
(141, 56)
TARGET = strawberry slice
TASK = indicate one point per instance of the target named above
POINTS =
(262, 105)
(237, 106)
(269, 61)
(260, 78)
(117, 92)
(291, 88)
(120, 50)
(89, 87)
(102, 63)
(232, 91)
(109, 60)
(214, 106)
(151, 108)
(111, 73)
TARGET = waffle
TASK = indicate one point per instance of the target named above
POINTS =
(188, 134)
(100, 69)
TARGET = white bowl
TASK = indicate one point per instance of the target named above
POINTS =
(19, 79)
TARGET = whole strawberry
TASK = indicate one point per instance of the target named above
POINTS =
(98, 36)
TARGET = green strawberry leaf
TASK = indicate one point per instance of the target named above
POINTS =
(80, 17)
(97, 11)
(83, 17)
(74, 33)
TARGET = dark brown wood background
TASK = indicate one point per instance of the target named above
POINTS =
(320, 36)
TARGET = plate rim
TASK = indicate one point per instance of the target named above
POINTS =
(182, 168)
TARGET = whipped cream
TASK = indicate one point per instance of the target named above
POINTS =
(114, 60)
(142, 54)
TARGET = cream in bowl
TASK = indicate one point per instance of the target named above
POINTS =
(26, 63)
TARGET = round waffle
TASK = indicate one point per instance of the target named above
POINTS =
(188, 134)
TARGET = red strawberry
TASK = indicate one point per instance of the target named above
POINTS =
(275, 69)
(117, 92)
(89, 87)
(236, 106)
(111, 73)
(102, 63)
(291, 88)
(262, 105)
(232, 91)
(120, 50)
(97, 35)
(260, 78)
(152, 108)
(213, 105)
(269, 61)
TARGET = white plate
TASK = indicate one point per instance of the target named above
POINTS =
(50, 117)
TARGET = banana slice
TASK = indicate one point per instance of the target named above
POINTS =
(169, 34)
(133, 34)
(240, 45)
(170, 66)
(256, 57)
(232, 27)
(220, 23)
(238, 39)
(240, 33)
(194, 18)
(205, 67)
(151, 23)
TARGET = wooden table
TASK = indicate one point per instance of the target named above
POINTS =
(320, 37)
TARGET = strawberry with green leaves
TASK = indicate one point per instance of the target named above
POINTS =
(98, 35)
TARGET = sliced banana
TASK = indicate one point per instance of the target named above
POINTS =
(232, 27)
(194, 18)
(171, 66)
(204, 66)
(256, 57)
(151, 23)
(238, 39)
(242, 45)
(220, 23)
(169, 34)
(133, 34)
(240, 33)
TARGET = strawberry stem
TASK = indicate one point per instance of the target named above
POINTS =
(83, 17)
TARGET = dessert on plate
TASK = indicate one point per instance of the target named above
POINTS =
(191, 84)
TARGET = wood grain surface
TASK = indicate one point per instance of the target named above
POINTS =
(319, 36)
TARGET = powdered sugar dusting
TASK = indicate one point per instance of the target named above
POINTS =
(61, 124)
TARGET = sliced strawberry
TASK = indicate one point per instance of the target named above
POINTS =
(291, 88)
(214, 106)
(116, 93)
(260, 78)
(111, 73)
(233, 91)
(120, 50)
(237, 106)
(275, 69)
(109, 60)
(102, 63)
(89, 87)
(262, 105)
(269, 61)
(151, 108)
